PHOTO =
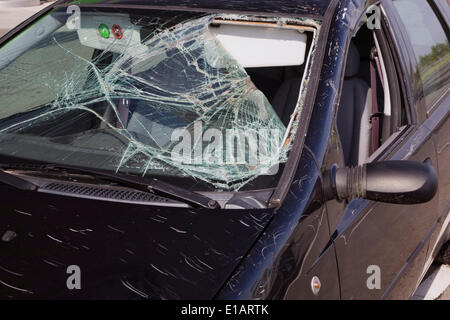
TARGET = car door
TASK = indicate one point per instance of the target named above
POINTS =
(438, 113)
(382, 248)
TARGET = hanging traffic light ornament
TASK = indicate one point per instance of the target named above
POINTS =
(103, 30)
(117, 31)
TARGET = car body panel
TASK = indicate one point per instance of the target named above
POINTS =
(280, 263)
(393, 238)
(124, 251)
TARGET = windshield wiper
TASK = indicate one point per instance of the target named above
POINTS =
(16, 182)
(154, 185)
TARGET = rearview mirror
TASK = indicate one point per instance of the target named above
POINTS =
(399, 182)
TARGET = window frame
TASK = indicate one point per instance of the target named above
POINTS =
(387, 40)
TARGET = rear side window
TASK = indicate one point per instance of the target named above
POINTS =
(430, 44)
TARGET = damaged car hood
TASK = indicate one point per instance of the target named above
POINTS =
(123, 251)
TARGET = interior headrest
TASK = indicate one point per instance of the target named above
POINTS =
(353, 60)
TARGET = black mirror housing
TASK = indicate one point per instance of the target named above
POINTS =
(399, 182)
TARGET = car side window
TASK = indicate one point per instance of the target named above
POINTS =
(430, 44)
(373, 109)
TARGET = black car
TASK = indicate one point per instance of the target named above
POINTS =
(194, 149)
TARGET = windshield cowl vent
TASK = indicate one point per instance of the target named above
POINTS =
(106, 193)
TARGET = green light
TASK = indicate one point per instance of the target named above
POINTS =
(104, 30)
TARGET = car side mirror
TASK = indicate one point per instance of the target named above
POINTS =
(400, 182)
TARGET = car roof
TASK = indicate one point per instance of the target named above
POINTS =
(283, 7)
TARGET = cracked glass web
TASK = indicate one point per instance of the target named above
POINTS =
(126, 104)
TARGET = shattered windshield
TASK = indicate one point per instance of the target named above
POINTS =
(155, 95)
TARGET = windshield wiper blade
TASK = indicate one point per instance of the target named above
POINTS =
(155, 186)
(16, 182)
(164, 189)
